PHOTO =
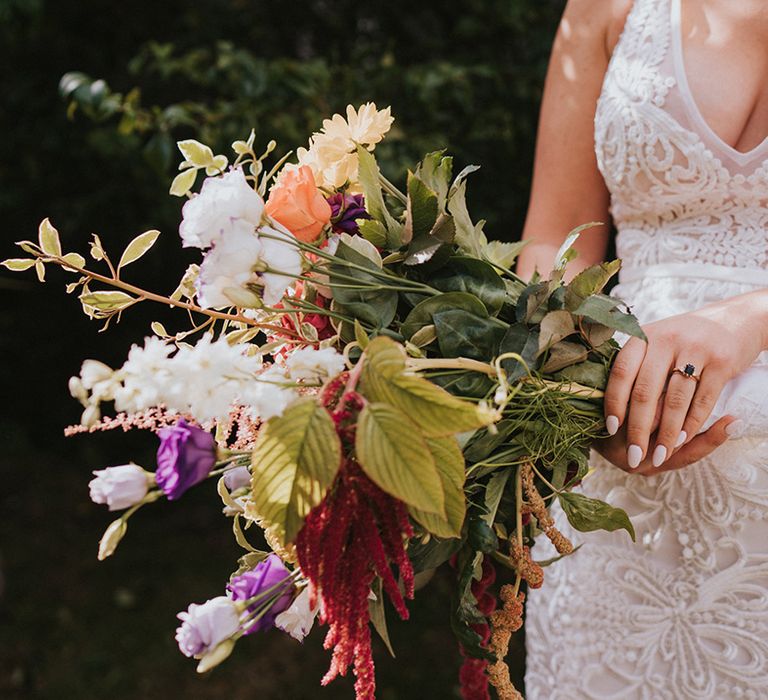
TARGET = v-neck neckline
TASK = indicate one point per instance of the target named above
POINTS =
(741, 157)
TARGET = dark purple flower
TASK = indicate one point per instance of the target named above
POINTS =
(345, 210)
(185, 457)
(265, 576)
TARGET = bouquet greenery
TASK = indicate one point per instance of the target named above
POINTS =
(371, 382)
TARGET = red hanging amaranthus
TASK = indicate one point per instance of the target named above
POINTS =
(356, 533)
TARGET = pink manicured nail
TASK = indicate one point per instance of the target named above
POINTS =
(659, 456)
(612, 425)
(634, 455)
(681, 438)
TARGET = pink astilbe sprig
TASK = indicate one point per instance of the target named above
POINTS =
(153, 419)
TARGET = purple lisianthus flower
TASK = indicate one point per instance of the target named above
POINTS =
(266, 576)
(185, 457)
(205, 626)
(345, 210)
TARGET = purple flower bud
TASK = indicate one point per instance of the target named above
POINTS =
(345, 210)
(266, 576)
(185, 457)
(205, 626)
(237, 478)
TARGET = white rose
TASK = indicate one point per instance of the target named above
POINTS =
(229, 264)
(280, 256)
(204, 627)
(119, 487)
(222, 202)
(298, 618)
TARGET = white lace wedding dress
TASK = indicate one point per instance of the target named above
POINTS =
(683, 612)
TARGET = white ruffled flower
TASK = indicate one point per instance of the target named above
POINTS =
(119, 487)
(298, 618)
(308, 364)
(228, 266)
(204, 627)
(222, 203)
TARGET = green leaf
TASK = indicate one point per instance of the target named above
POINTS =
(373, 231)
(435, 171)
(449, 461)
(519, 339)
(294, 462)
(603, 309)
(375, 306)
(394, 455)
(567, 252)
(421, 209)
(481, 536)
(424, 247)
(588, 514)
(378, 616)
(493, 493)
(196, 153)
(431, 554)
(532, 303)
(462, 334)
(49, 238)
(368, 176)
(463, 274)
(592, 374)
(432, 409)
(469, 237)
(137, 247)
(75, 260)
(422, 314)
(18, 264)
(591, 281)
(503, 253)
(183, 182)
(361, 336)
(106, 301)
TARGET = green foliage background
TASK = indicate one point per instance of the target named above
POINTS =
(465, 75)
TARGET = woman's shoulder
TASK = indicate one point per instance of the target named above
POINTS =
(603, 19)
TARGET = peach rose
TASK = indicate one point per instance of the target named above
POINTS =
(297, 204)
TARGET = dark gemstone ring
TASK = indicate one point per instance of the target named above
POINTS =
(689, 372)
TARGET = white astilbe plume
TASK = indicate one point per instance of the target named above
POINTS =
(204, 381)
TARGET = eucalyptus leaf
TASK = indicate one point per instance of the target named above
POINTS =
(588, 514)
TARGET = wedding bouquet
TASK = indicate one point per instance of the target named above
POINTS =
(372, 386)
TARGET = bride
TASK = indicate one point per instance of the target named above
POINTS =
(655, 113)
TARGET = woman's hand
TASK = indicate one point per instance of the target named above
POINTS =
(720, 341)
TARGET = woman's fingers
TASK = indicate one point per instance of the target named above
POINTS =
(620, 382)
(680, 392)
(709, 388)
(699, 447)
(644, 399)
